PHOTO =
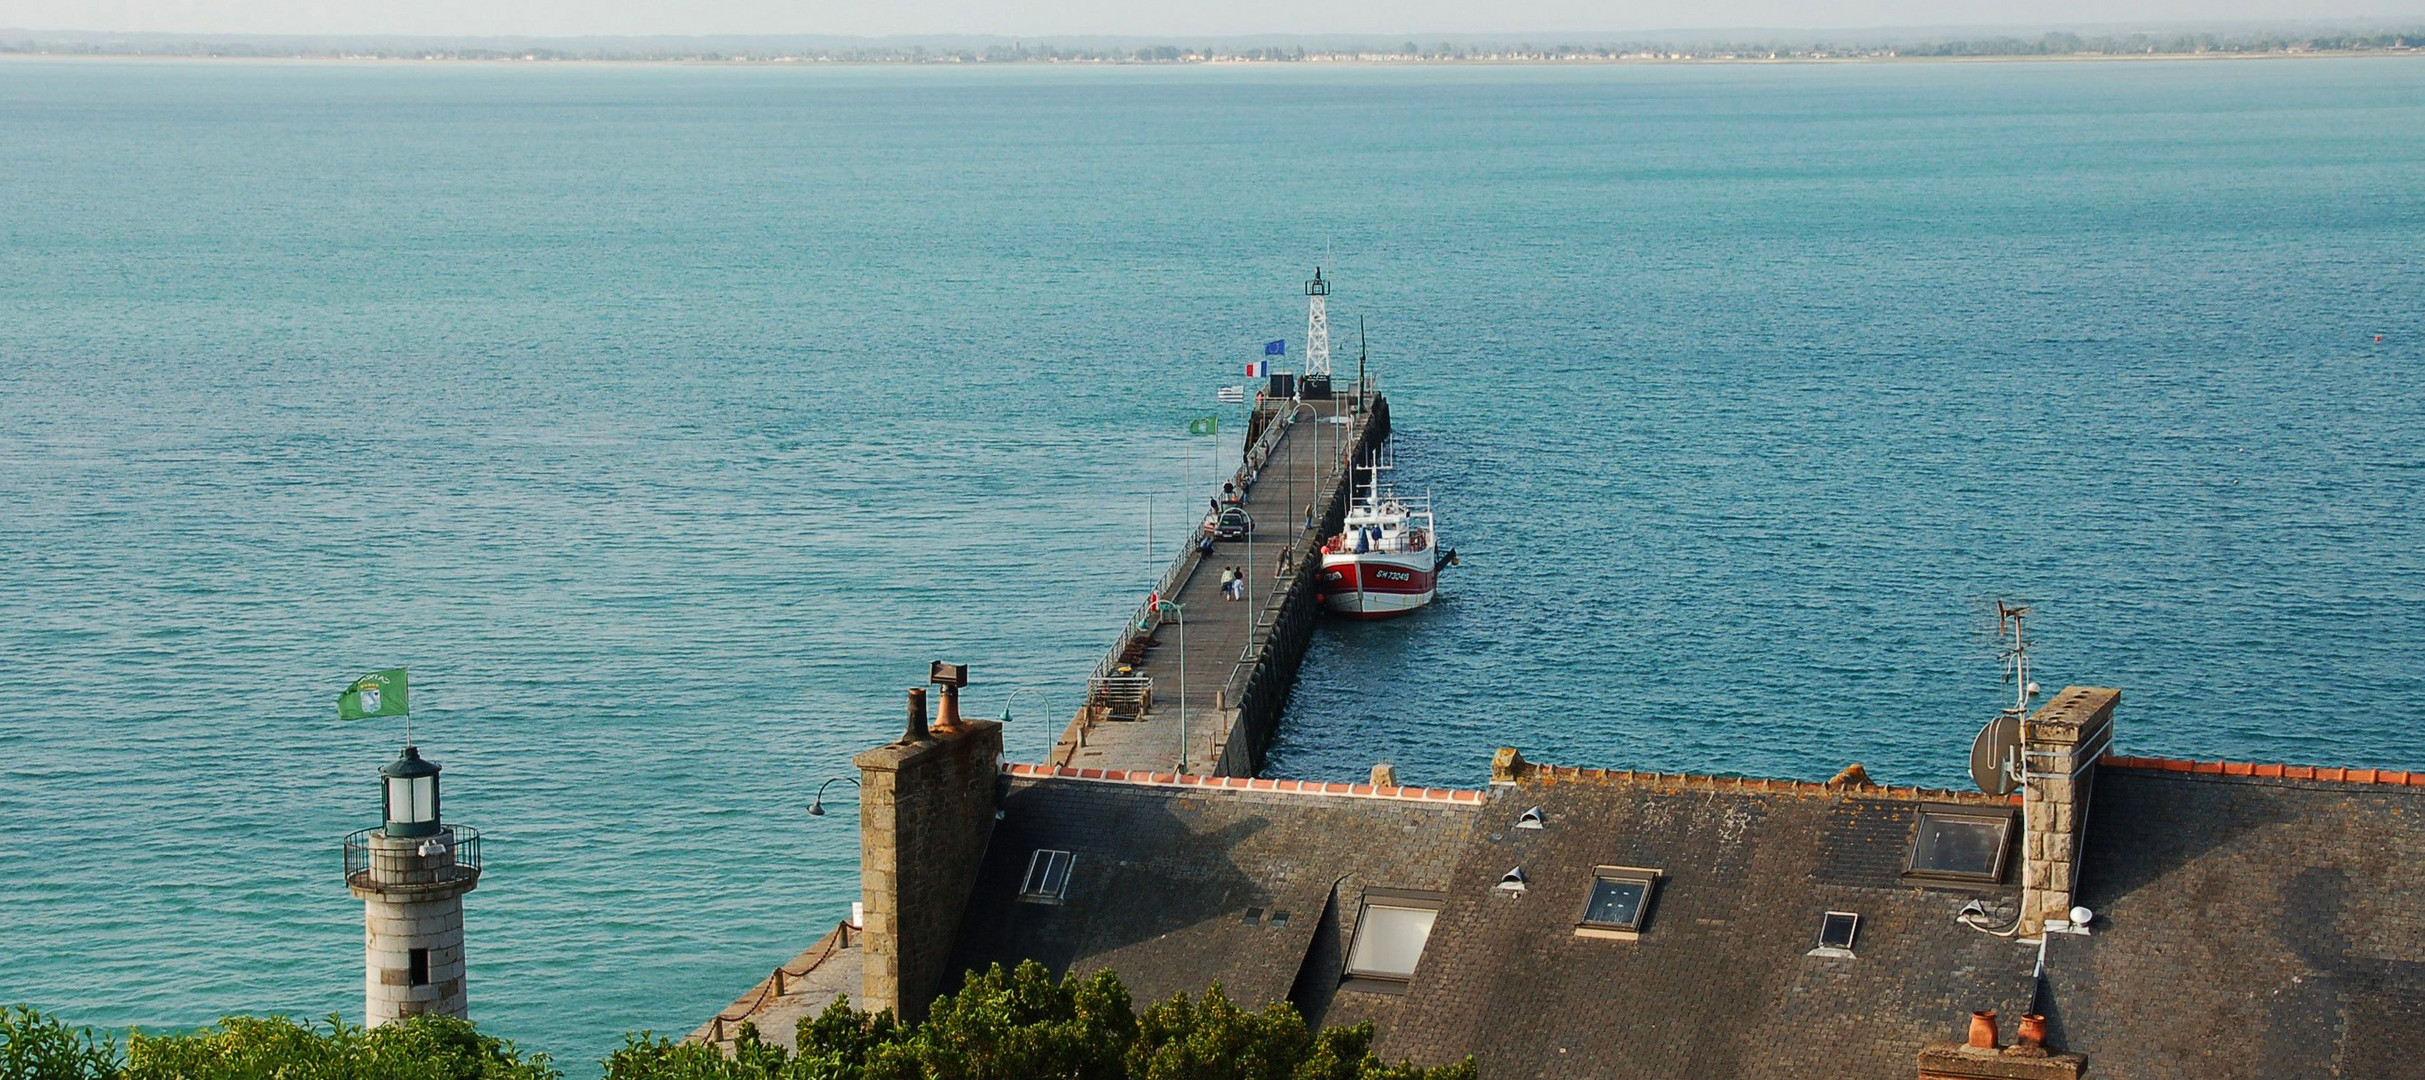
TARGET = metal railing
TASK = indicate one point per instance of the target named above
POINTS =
(463, 838)
(1144, 619)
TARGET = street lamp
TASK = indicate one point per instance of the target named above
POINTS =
(1180, 610)
(1014, 696)
(816, 806)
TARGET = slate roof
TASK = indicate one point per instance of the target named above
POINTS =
(1722, 981)
(1165, 874)
(2248, 924)
(2252, 920)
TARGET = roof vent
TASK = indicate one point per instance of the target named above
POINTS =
(1513, 880)
(1530, 819)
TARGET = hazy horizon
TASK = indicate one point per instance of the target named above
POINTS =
(1104, 18)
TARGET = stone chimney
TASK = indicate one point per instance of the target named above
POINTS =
(2060, 746)
(1954, 1061)
(1980, 1058)
(926, 810)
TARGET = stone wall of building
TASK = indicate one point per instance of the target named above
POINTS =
(926, 810)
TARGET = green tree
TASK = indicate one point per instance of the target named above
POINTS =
(1018, 1024)
(1011, 1025)
(38, 1047)
(249, 1048)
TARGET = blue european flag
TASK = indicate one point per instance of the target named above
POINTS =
(1276, 348)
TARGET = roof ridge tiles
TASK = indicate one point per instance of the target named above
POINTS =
(1144, 778)
(2330, 773)
(1718, 782)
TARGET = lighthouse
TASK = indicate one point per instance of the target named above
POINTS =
(410, 874)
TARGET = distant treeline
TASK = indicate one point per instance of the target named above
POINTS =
(980, 51)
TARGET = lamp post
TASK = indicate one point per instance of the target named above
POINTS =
(1014, 696)
(816, 806)
(1180, 610)
(410, 874)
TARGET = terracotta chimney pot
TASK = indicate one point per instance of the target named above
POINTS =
(947, 717)
(2033, 1029)
(1983, 1029)
(1853, 775)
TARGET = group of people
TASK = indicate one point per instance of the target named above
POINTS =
(1233, 583)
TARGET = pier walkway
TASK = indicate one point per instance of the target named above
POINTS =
(1214, 673)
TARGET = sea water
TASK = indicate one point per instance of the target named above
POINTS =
(666, 420)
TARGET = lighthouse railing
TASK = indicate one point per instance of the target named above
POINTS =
(464, 839)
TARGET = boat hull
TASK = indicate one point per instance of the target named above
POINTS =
(1374, 586)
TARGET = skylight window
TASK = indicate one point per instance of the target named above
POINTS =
(1837, 930)
(1047, 877)
(1391, 931)
(1619, 902)
(1960, 844)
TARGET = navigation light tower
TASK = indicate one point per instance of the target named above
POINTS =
(411, 874)
(1317, 330)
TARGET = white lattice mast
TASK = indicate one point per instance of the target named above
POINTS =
(1317, 328)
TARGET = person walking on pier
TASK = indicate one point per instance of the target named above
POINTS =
(1229, 584)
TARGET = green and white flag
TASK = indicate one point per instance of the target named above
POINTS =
(380, 693)
(1204, 425)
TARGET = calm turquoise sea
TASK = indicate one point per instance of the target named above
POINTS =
(666, 420)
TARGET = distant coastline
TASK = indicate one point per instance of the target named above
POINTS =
(1721, 47)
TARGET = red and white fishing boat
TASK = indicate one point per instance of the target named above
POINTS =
(1387, 557)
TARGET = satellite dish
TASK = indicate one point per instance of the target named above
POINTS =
(1997, 743)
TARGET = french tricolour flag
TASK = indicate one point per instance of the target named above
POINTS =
(1257, 369)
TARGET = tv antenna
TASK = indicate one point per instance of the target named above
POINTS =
(1995, 756)
(2016, 658)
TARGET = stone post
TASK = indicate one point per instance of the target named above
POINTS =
(412, 926)
(1507, 766)
(926, 810)
(2059, 748)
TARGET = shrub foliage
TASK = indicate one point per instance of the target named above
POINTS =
(1016, 1024)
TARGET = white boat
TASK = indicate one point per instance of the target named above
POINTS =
(1386, 559)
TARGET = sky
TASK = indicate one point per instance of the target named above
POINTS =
(1155, 18)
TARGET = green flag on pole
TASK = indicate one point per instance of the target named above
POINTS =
(380, 693)
(1204, 425)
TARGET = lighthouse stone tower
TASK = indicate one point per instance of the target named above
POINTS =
(411, 874)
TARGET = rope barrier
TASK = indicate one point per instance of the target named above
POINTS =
(774, 982)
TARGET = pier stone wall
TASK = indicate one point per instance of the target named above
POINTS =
(1254, 716)
(926, 810)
